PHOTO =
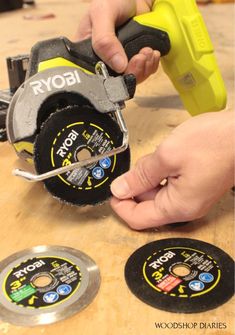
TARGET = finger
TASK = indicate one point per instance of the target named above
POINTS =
(139, 215)
(145, 176)
(168, 206)
(136, 66)
(149, 195)
(104, 40)
(152, 63)
(85, 28)
(144, 64)
(143, 6)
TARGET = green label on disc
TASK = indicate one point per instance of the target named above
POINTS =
(24, 292)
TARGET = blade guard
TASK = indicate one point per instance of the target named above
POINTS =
(190, 63)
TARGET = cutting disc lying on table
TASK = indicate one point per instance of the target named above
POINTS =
(181, 275)
(46, 284)
(73, 134)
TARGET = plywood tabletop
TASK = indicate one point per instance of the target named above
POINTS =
(30, 216)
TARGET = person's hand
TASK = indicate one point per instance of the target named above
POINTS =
(197, 160)
(99, 23)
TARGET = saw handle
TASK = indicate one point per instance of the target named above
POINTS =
(173, 27)
(132, 35)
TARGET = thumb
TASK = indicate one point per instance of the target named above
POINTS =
(145, 176)
(105, 43)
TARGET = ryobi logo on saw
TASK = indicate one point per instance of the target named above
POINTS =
(55, 82)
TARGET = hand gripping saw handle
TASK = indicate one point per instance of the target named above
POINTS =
(176, 29)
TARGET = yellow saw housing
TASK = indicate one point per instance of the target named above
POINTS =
(190, 64)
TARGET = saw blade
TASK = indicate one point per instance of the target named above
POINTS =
(73, 134)
(45, 284)
(181, 275)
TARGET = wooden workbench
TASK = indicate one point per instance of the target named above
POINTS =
(30, 216)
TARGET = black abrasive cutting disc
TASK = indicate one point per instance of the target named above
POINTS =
(181, 275)
(74, 134)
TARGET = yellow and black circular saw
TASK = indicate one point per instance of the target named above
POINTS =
(65, 115)
(67, 121)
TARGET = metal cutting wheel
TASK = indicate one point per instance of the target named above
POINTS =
(73, 134)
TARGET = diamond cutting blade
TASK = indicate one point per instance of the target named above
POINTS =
(46, 284)
(71, 135)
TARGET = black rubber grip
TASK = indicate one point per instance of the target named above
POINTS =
(133, 37)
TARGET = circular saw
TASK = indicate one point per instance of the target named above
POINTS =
(64, 107)
(72, 129)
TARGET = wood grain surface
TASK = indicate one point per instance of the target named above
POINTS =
(29, 216)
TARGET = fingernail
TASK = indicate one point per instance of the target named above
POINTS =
(120, 188)
(118, 63)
